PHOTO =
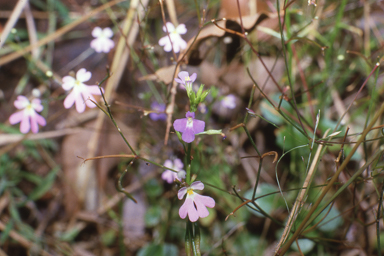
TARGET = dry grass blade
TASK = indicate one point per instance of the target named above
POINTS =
(12, 21)
(300, 200)
(57, 34)
(121, 56)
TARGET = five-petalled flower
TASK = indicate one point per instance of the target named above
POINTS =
(168, 175)
(102, 41)
(174, 34)
(189, 126)
(159, 114)
(186, 80)
(229, 101)
(27, 117)
(81, 93)
(195, 205)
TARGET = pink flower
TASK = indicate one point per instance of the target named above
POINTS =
(177, 42)
(102, 41)
(28, 118)
(229, 101)
(168, 175)
(189, 127)
(195, 205)
(80, 92)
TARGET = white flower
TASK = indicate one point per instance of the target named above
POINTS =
(102, 41)
(80, 93)
(177, 42)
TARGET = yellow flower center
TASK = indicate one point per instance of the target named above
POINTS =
(190, 191)
(188, 79)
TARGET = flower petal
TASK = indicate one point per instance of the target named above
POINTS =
(68, 82)
(97, 31)
(80, 105)
(205, 200)
(183, 75)
(197, 185)
(181, 29)
(34, 125)
(189, 208)
(107, 32)
(170, 27)
(16, 117)
(188, 135)
(24, 124)
(168, 176)
(190, 114)
(168, 163)
(178, 164)
(96, 45)
(40, 120)
(21, 102)
(200, 207)
(108, 44)
(83, 75)
(198, 126)
(181, 193)
(164, 41)
(180, 125)
(36, 105)
(193, 77)
(70, 99)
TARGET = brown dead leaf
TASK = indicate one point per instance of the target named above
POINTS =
(164, 75)
(194, 55)
(76, 145)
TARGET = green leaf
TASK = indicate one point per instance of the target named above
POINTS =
(331, 222)
(153, 188)
(158, 250)
(306, 245)
(267, 203)
(44, 186)
(153, 216)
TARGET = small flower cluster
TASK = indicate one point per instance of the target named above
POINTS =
(195, 205)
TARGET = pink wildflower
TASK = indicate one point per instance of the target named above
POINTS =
(168, 175)
(80, 92)
(28, 118)
(174, 33)
(195, 205)
(102, 41)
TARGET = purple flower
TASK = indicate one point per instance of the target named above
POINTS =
(174, 34)
(28, 118)
(80, 92)
(189, 126)
(185, 79)
(168, 175)
(229, 101)
(102, 41)
(158, 108)
(195, 205)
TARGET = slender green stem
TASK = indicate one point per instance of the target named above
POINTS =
(250, 103)
(257, 179)
(188, 161)
(198, 13)
(111, 116)
(188, 239)
(315, 206)
(378, 222)
(250, 138)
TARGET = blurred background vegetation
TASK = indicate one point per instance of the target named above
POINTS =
(310, 75)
